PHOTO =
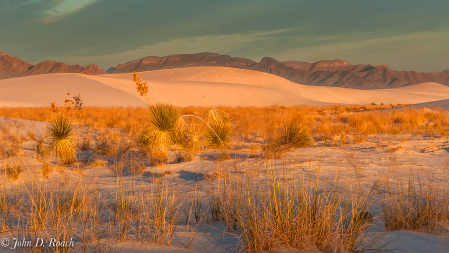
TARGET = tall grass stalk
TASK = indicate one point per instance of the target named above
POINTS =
(415, 206)
(297, 214)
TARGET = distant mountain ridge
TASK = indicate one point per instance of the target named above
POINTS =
(336, 73)
(14, 67)
(183, 60)
(50, 66)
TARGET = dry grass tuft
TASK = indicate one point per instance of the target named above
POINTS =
(219, 131)
(99, 163)
(13, 171)
(295, 134)
(47, 169)
(416, 207)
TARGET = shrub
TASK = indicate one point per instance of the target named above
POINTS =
(159, 145)
(295, 135)
(190, 139)
(13, 172)
(219, 131)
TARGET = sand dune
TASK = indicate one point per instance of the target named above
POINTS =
(187, 86)
(41, 90)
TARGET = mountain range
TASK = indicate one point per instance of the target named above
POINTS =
(336, 73)
(14, 67)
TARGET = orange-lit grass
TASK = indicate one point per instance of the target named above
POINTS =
(267, 122)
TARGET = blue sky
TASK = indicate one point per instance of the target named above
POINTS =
(404, 34)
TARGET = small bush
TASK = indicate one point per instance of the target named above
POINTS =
(274, 150)
(295, 135)
(13, 172)
(31, 134)
(46, 169)
(219, 133)
(157, 143)
(109, 150)
(190, 139)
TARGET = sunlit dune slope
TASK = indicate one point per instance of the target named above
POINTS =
(41, 90)
(189, 86)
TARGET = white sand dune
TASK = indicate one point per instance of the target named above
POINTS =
(188, 86)
(41, 90)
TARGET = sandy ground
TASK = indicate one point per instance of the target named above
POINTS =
(378, 160)
(189, 86)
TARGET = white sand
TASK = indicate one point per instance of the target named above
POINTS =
(374, 160)
(187, 86)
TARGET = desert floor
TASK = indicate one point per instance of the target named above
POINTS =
(380, 161)
(113, 199)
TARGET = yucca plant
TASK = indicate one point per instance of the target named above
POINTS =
(165, 119)
(61, 130)
(61, 136)
(167, 122)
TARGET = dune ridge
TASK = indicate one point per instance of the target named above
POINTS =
(188, 86)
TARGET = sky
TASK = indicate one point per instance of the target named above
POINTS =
(403, 34)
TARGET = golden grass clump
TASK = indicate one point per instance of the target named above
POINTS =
(46, 169)
(41, 149)
(219, 131)
(301, 216)
(159, 145)
(13, 171)
(295, 134)
(191, 140)
(99, 163)
(415, 208)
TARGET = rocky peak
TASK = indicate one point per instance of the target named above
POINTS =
(12, 66)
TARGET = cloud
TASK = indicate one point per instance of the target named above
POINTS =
(224, 44)
(408, 51)
(64, 8)
(115, 31)
(405, 51)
